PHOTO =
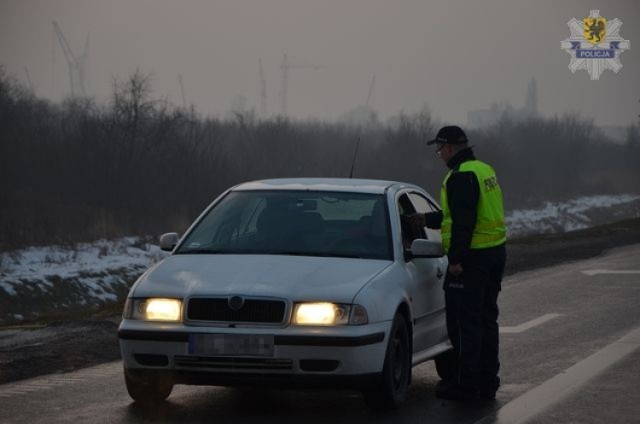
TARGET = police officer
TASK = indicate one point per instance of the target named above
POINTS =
(473, 237)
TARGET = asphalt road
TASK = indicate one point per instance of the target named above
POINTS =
(570, 353)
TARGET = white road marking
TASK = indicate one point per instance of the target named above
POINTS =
(529, 324)
(25, 389)
(100, 373)
(536, 400)
(38, 386)
(592, 272)
(16, 391)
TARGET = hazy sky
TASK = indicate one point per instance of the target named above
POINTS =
(454, 56)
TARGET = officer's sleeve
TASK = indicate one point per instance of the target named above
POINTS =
(433, 220)
(463, 193)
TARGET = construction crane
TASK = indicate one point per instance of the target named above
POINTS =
(263, 90)
(373, 83)
(76, 63)
(285, 67)
(26, 71)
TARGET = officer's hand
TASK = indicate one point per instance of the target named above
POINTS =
(455, 269)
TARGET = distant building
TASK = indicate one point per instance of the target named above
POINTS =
(486, 117)
(615, 133)
(483, 117)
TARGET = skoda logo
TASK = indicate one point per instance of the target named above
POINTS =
(235, 303)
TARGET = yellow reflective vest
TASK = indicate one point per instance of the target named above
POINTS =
(490, 229)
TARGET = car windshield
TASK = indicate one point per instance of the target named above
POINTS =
(306, 223)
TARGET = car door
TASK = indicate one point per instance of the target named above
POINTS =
(426, 275)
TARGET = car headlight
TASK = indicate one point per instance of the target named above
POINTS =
(325, 313)
(153, 309)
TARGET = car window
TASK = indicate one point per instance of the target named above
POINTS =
(423, 205)
(331, 208)
(295, 223)
(409, 233)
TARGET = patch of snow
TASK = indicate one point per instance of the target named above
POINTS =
(101, 287)
(573, 214)
(35, 262)
(8, 287)
(99, 267)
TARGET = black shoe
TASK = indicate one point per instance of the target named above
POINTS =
(488, 394)
(456, 392)
(444, 384)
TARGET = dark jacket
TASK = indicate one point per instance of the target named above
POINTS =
(463, 193)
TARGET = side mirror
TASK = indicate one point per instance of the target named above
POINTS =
(421, 248)
(168, 241)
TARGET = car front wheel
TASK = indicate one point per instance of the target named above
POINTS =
(147, 389)
(396, 372)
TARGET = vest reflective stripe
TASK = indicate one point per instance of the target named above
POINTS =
(490, 229)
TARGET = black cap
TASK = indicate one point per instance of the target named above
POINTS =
(451, 134)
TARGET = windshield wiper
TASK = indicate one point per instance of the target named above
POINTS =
(225, 251)
(316, 254)
(205, 251)
(200, 251)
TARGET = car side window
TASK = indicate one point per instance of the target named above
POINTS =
(423, 205)
(405, 209)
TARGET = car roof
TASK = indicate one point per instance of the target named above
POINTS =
(322, 184)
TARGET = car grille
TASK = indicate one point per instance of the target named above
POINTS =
(252, 311)
(236, 364)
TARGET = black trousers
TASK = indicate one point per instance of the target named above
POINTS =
(472, 317)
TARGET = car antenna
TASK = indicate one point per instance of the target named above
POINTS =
(355, 155)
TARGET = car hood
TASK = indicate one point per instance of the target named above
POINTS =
(297, 278)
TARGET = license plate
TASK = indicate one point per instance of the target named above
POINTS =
(231, 344)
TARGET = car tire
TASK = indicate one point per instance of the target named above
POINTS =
(446, 365)
(396, 373)
(147, 389)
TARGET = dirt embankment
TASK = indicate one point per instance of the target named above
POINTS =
(70, 344)
(551, 249)
(61, 346)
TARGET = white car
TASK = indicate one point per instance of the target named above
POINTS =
(293, 282)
